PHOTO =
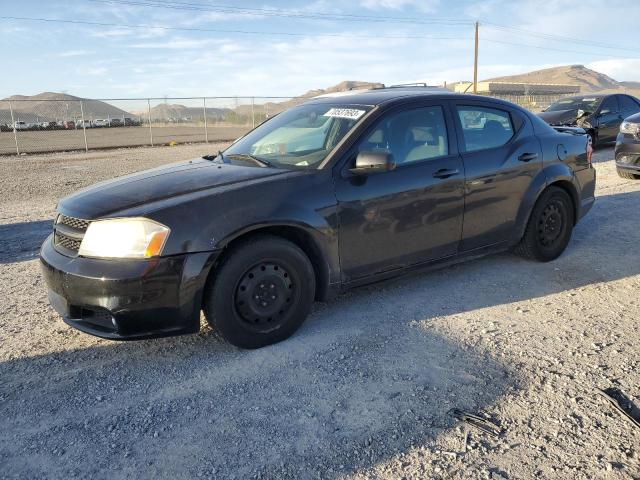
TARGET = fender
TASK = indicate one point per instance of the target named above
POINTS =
(550, 174)
(307, 228)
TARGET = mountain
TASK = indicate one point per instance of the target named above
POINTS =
(50, 106)
(275, 107)
(588, 80)
(181, 113)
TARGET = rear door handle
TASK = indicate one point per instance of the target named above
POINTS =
(445, 173)
(527, 157)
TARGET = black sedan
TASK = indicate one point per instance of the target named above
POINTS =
(338, 192)
(600, 115)
(627, 152)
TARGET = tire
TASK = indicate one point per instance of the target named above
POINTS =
(261, 292)
(549, 227)
(627, 175)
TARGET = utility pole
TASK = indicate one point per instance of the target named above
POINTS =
(475, 62)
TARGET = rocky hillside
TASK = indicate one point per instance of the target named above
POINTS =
(50, 106)
(588, 80)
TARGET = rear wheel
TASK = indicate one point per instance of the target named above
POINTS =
(628, 175)
(261, 293)
(549, 228)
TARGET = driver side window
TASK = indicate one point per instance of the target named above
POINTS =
(609, 105)
(410, 136)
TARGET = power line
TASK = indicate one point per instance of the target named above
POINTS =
(563, 38)
(316, 15)
(540, 47)
(218, 30)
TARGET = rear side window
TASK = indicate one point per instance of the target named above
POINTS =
(484, 127)
(629, 105)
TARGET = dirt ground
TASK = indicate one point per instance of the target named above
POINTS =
(362, 391)
(60, 140)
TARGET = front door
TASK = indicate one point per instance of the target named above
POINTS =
(609, 119)
(407, 215)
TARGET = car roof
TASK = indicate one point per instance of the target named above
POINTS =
(379, 96)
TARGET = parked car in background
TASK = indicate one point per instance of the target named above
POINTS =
(627, 152)
(19, 125)
(5, 128)
(115, 122)
(84, 124)
(69, 125)
(130, 122)
(600, 115)
(332, 194)
(48, 125)
(101, 122)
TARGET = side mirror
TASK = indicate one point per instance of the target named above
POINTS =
(373, 162)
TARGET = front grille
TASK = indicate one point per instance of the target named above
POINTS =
(68, 233)
(75, 223)
(67, 243)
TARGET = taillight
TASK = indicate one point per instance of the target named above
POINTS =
(589, 150)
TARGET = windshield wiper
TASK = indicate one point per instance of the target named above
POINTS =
(246, 156)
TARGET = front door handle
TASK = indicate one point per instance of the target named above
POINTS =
(445, 173)
(527, 157)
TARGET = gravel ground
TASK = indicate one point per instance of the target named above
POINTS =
(361, 391)
(61, 140)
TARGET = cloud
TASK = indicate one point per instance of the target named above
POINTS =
(74, 53)
(421, 5)
(621, 69)
(177, 43)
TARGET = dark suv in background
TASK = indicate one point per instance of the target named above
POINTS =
(600, 115)
(627, 151)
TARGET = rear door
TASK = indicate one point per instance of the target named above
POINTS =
(501, 156)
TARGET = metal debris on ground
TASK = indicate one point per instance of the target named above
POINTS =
(622, 404)
(476, 421)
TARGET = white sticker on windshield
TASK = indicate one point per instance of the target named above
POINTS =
(350, 113)
(588, 99)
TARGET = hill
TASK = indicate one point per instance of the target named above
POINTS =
(50, 106)
(588, 80)
(181, 113)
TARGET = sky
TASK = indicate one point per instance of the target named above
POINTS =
(284, 48)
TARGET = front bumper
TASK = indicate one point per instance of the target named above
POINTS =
(627, 153)
(127, 299)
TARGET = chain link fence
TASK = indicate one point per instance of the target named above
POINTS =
(532, 102)
(54, 125)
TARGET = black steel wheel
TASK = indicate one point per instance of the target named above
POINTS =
(549, 228)
(264, 295)
(260, 293)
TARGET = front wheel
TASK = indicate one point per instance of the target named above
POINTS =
(549, 228)
(261, 292)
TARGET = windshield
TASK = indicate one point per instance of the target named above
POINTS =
(588, 104)
(301, 137)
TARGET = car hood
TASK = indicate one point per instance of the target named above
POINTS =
(560, 117)
(108, 198)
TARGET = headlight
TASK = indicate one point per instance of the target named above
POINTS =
(124, 238)
(630, 127)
